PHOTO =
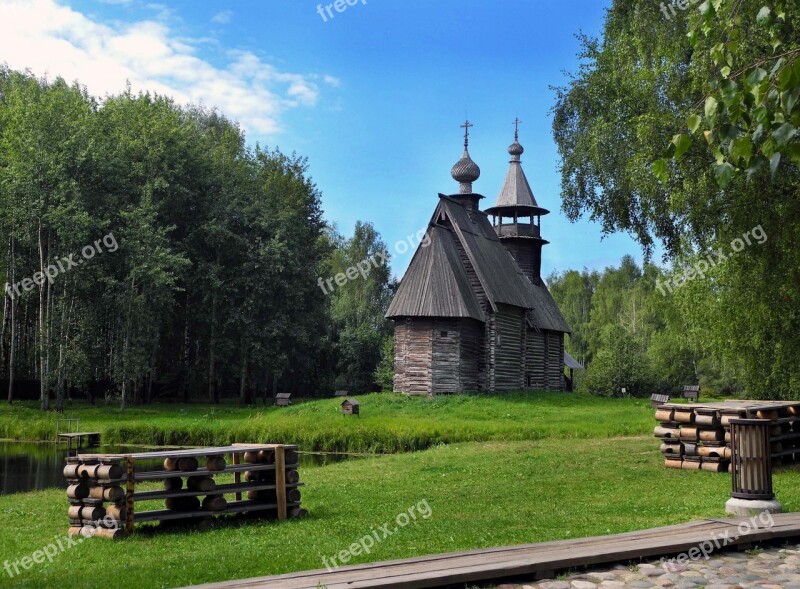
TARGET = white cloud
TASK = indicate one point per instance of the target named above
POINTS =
(223, 17)
(55, 40)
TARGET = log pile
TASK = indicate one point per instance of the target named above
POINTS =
(697, 436)
(96, 499)
(190, 491)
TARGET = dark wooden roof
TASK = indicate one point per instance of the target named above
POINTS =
(353, 402)
(571, 362)
(436, 284)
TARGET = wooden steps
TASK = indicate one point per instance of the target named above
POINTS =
(541, 560)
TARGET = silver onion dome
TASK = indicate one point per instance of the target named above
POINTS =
(465, 171)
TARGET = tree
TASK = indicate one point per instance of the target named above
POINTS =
(633, 91)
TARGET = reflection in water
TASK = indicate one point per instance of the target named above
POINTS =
(27, 467)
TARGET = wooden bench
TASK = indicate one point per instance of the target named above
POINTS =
(657, 400)
(691, 392)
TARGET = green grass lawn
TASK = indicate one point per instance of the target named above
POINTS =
(480, 495)
(389, 422)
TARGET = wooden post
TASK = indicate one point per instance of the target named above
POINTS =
(129, 496)
(280, 481)
(237, 476)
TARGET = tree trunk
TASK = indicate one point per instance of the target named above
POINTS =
(13, 347)
(44, 396)
(243, 379)
(61, 339)
(126, 346)
(213, 392)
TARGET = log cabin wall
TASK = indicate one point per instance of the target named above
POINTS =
(446, 363)
(508, 345)
(555, 361)
(490, 350)
(413, 356)
(527, 258)
(536, 358)
(473, 371)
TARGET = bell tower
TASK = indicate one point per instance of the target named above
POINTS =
(517, 217)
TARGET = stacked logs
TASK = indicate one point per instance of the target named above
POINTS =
(212, 502)
(698, 437)
(96, 499)
(190, 491)
(692, 439)
(268, 477)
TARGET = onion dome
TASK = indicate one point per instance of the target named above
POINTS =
(465, 171)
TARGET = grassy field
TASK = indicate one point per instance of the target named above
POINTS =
(389, 422)
(480, 495)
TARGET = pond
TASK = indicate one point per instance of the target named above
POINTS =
(29, 466)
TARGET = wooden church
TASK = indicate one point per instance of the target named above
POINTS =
(472, 312)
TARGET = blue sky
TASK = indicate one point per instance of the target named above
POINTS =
(373, 97)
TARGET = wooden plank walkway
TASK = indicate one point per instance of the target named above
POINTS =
(532, 560)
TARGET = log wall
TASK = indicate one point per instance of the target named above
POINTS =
(554, 369)
(413, 356)
(508, 348)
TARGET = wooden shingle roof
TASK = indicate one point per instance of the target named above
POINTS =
(436, 284)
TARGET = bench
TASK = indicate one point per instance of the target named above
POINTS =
(691, 392)
(656, 400)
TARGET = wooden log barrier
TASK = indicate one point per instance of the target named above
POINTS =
(201, 483)
(707, 419)
(88, 470)
(684, 415)
(188, 463)
(86, 512)
(98, 479)
(675, 449)
(664, 414)
(665, 432)
(215, 503)
(71, 471)
(215, 463)
(108, 472)
(710, 435)
(182, 503)
(111, 493)
(173, 484)
(266, 456)
(688, 433)
(118, 512)
(690, 464)
(78, 491)
(721, 466)
(673, 462)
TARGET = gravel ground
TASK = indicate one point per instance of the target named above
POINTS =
(772, 568)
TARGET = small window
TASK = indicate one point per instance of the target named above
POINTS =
(443, 333)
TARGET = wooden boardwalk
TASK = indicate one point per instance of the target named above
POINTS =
(532, 560)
